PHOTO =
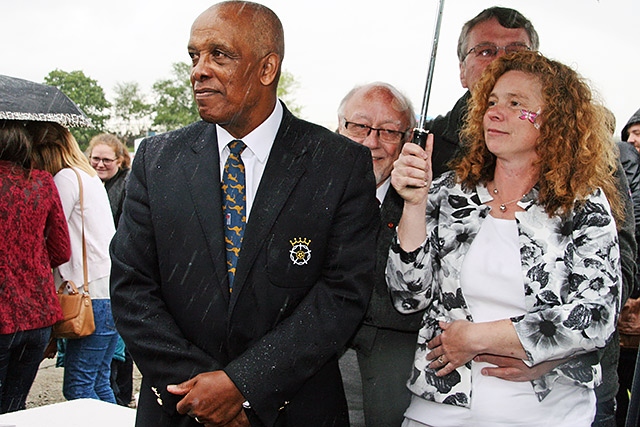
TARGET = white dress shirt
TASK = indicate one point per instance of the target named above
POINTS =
(254, 157)
(381, 191)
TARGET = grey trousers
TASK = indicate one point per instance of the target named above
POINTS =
(385, 365)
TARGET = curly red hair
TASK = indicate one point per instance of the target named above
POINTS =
(576, 152)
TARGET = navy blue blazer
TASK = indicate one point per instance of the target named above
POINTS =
(302, 284)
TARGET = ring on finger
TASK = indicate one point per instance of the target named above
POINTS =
(441, 359)
(198, 420)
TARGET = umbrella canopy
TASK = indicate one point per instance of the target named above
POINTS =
(26, 100)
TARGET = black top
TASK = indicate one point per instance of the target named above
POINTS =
(115, 187)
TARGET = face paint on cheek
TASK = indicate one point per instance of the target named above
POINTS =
(531, 116)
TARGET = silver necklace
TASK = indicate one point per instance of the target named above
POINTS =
(503, 206)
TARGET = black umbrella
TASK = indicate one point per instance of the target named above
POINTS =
(26, 100)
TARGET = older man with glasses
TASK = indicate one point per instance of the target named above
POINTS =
(378, 116)
(494, 32)
(381, 118)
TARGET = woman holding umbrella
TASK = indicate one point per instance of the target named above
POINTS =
(517, 255)
(87, 360)
(34, 240)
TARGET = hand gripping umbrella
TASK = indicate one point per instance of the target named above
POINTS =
(26, 100)
(420, 133)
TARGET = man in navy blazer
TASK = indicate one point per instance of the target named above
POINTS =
(265, 353)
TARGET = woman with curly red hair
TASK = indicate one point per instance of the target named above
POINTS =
(517, 255)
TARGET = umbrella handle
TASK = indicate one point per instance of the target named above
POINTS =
(420, 137)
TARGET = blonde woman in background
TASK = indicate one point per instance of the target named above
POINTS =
(87, 360)
(111, 160)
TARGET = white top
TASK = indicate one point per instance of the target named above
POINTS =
(254, 157)
(98, 231)
(492, 283)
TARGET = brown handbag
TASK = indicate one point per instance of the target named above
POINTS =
(77, 309)
(77, 313)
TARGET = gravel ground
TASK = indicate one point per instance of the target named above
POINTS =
(47, 388)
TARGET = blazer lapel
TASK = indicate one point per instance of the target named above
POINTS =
(391, 209)
(201, 169)
(283, 170)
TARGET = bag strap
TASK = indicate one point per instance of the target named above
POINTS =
(85, 273)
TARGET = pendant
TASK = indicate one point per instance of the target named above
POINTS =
(503, 207)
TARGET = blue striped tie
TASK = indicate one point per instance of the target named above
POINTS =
(234, 201)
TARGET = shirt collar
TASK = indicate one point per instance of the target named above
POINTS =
(260, 140)
(382, 190)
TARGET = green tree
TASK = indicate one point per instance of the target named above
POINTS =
(88, 95)
(286, 88)
(175, 106)
(131, 113)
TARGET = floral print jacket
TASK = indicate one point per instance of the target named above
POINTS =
(572, 285)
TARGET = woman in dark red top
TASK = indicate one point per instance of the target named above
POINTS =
(34, 239)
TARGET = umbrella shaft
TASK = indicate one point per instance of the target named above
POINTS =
(427, 92)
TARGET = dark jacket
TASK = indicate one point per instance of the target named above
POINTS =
(630, 159)
(381, 312)
(116, 191)
(278, 335)
(446, 133)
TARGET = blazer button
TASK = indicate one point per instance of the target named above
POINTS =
(158, 397)
(286, 402)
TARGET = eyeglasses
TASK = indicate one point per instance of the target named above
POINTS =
(490, 50)
(387, 136)
(95, 161)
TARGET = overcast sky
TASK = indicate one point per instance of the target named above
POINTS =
(331, 45)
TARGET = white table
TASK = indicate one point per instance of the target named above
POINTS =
(74, 413)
